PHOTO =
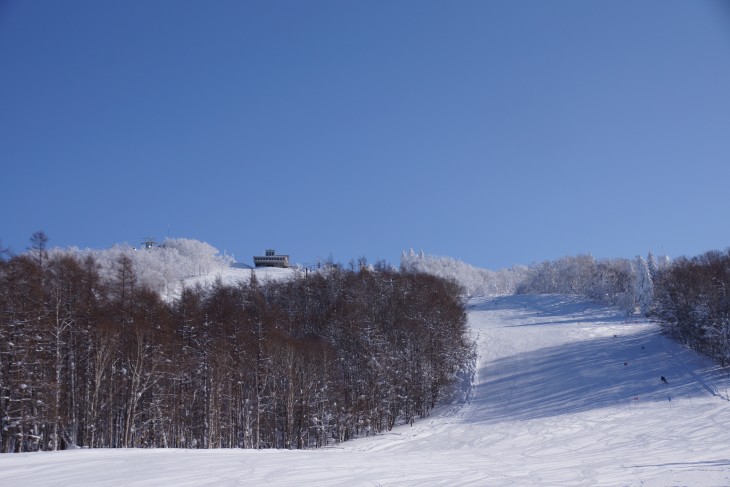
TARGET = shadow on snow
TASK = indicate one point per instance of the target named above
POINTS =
(585, 375)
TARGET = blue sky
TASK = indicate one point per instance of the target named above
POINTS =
(499, 133)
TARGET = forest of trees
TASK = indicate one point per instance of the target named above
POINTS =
(474, 280)
(162, 267)
(92, 359)
(109, 349)
(692, 300)
(627, 284)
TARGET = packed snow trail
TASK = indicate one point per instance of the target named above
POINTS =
(566, 393)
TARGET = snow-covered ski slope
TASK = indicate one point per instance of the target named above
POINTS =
(566, 393)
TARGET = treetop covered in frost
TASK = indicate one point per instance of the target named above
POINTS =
(163, 267)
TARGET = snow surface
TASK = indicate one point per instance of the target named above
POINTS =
(564, 395)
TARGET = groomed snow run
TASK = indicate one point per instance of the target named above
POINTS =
(566, 393)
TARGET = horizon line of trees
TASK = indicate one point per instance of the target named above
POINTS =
(624, 283)
(92, 361)
(475, 281)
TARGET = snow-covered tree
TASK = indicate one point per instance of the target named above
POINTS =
(663, 262)
(159, 268)
(474, 280)
(644, 286)
(610, 281)
(652, 264)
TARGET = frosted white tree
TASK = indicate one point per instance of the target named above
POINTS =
(644, 285)
(474, 280)
(663, 262)
(160, 268)
(652, 264)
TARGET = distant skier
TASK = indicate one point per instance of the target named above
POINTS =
(664, 379)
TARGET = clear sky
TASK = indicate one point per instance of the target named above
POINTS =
(499, 133)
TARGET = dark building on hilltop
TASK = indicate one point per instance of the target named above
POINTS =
(271, 260)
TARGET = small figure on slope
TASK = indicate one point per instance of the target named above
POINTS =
(664, 379)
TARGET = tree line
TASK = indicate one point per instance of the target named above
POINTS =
(326, 356)
(624, 283)
(690, 297)
(475, 281)
(161, 267)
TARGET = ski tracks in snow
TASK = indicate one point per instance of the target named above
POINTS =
(568, 393)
